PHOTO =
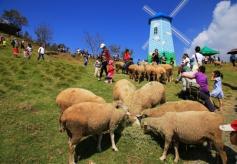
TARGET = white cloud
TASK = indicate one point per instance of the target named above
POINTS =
(221, 34)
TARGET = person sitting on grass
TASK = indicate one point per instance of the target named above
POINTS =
(202, 81)
(217, 88)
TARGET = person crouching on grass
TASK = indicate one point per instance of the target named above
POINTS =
(217, 91)
(110, 70)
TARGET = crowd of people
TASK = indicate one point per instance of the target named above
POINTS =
(193, 72)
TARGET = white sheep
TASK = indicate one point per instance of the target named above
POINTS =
(175, 106)
(90, 118)
(122, 89)
(71, 96)
(148, 96)
(188, 127)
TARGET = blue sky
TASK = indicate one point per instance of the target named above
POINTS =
(118, 22)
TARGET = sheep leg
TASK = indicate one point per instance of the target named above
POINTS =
(99, 142)
(112, 141)
(176, 149)
(166, 147)
(71, 159)
(220, 148)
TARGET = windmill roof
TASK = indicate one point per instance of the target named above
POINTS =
(160, 15)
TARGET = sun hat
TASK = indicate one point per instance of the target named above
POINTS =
(229, 127)
(102, 45)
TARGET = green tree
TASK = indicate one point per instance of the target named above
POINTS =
(15, 18)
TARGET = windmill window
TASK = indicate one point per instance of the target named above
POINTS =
(155, 30)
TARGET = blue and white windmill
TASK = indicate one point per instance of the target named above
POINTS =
(161, 32)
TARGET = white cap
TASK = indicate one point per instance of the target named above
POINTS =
(229, 127)
(102, 45)
(226, 127)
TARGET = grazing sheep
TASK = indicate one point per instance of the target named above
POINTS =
(169, 71)
(70, 96)
(175, 106)
(140, 72)
(148, 96)
(132, 71)
(90, 118)
(160, 73)
(188, 127)
(122, 89)
(150, 72)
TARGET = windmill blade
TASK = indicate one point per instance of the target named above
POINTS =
(181, 36)
(178, 8)
(145, 45)
(149, 11)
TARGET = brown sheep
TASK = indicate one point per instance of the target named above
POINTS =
(148, 96)
(140, 72)
(175, 106)
(122, 89)
(169, 71)
(190, 127)
(91, 118)
(160, 73)
(132, 71)
(119, 66)
(150, 72)
(71, 96)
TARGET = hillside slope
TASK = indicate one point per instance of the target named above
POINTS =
(29, 116)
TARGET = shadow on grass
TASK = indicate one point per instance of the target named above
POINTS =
(88, 147)
(197, 152)
(230, 86)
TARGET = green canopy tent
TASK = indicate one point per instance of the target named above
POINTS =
(206, 51)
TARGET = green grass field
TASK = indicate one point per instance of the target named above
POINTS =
(29, 130)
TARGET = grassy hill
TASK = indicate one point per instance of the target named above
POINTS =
(29, 116)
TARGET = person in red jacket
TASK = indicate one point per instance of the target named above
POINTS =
(110, 69)
(126, 59)
(105, 57)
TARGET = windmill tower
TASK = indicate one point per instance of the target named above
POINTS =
(161, 32)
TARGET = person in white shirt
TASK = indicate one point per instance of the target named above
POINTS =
(197, 59)
(41, 52)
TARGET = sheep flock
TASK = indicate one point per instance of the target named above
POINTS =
(84, 114)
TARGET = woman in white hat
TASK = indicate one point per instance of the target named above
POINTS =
(105, 57)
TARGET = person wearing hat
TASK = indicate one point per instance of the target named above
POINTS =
(105, 57)
(232, 128)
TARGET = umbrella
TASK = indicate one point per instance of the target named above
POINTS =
(206, 51)
(233, 51)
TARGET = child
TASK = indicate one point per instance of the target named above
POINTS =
(110, 70)
(217, 88)
(97, 68)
